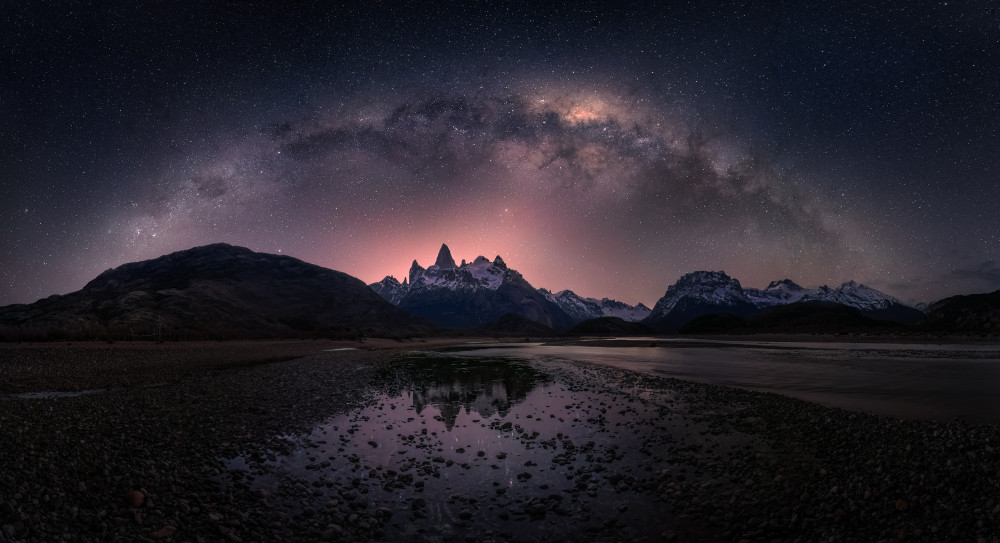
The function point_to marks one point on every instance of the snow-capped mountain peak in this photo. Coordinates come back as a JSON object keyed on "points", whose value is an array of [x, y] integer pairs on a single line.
{"points": [[390, 289], [781, 292], [850, 293], [624, 311], [711, 287], [696, 294], [480, 273], [855, 295], [582, 309], [784, 284], [415, 270]]}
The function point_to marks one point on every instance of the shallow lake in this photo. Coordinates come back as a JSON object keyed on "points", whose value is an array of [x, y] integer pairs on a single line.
{"points": [[457, 448], [902, 380]]}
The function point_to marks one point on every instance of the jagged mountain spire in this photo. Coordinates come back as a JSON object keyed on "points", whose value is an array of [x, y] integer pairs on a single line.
{"points": [[415, 269], [471, 295], [444, 259]]}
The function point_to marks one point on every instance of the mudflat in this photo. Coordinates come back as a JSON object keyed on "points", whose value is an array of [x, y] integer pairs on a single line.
{"points": [[389, 441]]}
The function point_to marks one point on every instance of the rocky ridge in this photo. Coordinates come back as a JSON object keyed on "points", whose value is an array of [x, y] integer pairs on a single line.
{"points": [[471, 294]]}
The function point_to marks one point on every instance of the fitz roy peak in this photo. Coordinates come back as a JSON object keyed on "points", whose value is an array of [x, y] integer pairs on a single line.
{"points": [[470, 295], [444, 260], [704, 293]]}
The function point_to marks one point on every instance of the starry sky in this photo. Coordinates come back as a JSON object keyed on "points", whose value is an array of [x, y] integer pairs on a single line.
{"points": [[607, 150]]}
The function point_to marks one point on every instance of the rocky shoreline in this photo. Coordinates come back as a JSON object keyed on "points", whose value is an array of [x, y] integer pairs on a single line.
{"points": [[706, 463]]}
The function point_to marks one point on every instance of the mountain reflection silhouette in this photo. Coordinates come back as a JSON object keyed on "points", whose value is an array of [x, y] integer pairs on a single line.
{"points": [[487, 387]]}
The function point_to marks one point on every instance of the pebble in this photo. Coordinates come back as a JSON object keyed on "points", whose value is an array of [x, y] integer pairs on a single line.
{"points": [[163, 533], [134, 498]]}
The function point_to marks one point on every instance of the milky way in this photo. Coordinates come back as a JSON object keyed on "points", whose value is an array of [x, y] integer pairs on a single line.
{"points": [[605, 151]]}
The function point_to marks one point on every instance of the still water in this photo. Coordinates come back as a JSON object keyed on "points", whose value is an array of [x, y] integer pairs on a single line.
{"points": [[475, 448], [902, 380]]}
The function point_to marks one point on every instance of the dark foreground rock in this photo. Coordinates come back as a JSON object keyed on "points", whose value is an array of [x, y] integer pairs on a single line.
{"points": [[208, 456]]}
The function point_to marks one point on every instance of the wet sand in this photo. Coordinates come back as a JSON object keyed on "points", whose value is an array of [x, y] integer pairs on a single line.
{"points": [[249, 444]]}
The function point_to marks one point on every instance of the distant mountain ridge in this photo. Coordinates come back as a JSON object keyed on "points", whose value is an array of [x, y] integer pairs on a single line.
{"points": [[582, 309], [469, 295], [703, 293]]}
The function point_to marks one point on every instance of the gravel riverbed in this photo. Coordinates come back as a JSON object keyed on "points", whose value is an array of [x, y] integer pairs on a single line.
{"points": [[296, 442]]}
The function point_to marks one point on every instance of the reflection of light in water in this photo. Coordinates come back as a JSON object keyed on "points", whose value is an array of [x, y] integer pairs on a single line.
{"points": [[487, 389], [441, 459]]}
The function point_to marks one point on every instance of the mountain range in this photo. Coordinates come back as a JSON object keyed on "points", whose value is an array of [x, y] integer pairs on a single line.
{"points": [[713, 292], [220, 291], [472, 294]]}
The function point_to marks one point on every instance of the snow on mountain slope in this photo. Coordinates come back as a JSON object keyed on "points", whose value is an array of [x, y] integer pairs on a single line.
{"points": [[481, 273], [696, 294], [470, 294], [463, 295], [582, 309], [853, 294], [575, 306], [713, 288], [781, 292], [445, 280], [390, 289], [703, 293], [624, 311]]}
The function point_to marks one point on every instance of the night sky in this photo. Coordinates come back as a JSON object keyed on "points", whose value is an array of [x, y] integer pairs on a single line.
{"points": [[604, 150]]}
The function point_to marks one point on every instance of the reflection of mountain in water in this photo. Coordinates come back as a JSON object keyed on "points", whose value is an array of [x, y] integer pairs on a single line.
{"points": [[483, 386]]}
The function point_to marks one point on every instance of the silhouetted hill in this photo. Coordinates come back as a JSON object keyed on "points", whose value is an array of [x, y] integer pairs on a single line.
{"points": [[716, 323], [214, 291], [972, 313], [796, 318], [610, 326]]}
